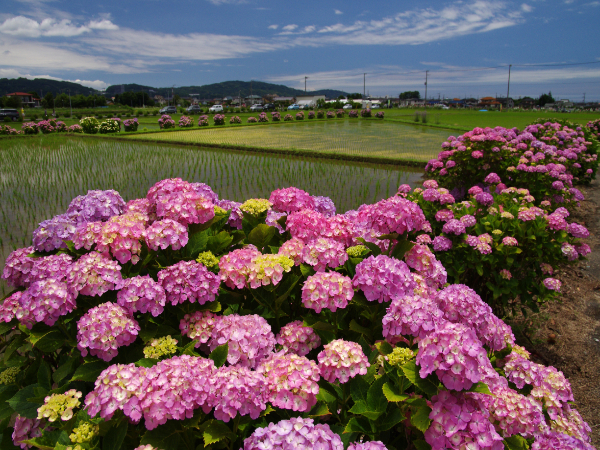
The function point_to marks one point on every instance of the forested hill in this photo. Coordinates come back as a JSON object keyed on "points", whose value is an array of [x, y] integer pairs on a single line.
{"points": [[42, 86], [225, 89]]}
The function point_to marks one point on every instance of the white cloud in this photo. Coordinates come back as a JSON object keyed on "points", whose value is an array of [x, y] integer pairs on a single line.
{"points": [[338, 12], [13, 73], [526, 8], [104, 24], [291, 27], [25, 27], [273, 27]]}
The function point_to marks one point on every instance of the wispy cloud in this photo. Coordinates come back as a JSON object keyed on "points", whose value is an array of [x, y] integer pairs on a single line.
{"points": [[273, 27], [290, 27], [338, 12]]}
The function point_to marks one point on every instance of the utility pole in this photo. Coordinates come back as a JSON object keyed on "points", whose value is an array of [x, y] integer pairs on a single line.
{"points": [[251, 99], [364, 84], [426, 74], [305, 84], [70, 105], [584, 99], [508, 89]]}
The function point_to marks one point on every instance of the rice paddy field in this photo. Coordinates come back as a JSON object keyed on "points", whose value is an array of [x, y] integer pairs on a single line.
{"points": [[356, 137], [40, 176]]}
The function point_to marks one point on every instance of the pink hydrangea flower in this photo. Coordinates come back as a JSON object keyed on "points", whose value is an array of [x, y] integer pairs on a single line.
{"points": [[454, 226], [293, 250], [441, 244], [369, 445], [412, 315], [234, 266], [455, 354], [569, 251], [342, 360], [559, 441], [189, 281], [17, 267], [185, 207], [166, 233], [382, 278], [329, 290], [306, 225], [468, 220], [45, 301], [297, 338], [322, 253], [423, 261], [52, 266], [444, 215], [26, 429], [94, 274], [393, 215], [292, 381], [121, 236], [198, 326], [291, 199], [510, 241], [513, 413], [87, 234], [553, 284], [142, 294], [250, 339], [105, 328], [296, 433], [339, 228], [237, 389]]}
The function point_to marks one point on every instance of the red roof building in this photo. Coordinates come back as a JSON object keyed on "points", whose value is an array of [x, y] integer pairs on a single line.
{"points": [[26, 98]]}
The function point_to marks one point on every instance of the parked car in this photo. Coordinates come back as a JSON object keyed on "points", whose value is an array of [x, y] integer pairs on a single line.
{"points": [[256, 108], [216, 108], [294, 106], [194, 109], [12, 113], [269, 107], [168, 110], [348, 106], [375, 106]]}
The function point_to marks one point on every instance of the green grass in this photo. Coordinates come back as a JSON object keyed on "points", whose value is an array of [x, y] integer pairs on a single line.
{"points": [[351, 137], [40, 176]]}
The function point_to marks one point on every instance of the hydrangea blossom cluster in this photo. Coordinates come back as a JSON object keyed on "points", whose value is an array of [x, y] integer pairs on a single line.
{"points": [[411, 315], [59, 405], [166, 233], [513, 413], [268, 269], [250, 339], [85, 432], [199, 326], [235, 218], [26, 429], [382, 278], [121, 236], [297, 338], [306, 225], [292, 249], [420, 258], [292, 434], [256, 206], [455, 354], [185, 207], [189, 281], [96, 206], [324, 205], [329, 290], [342, 360], [291, 199], [553, 284], [51, 234], [17, 267], [157, 348], [393, 215], [44, 301], [94, 274], [322, 253], [238, 389], [369, 445], [234, 266], [105, 328], [142, 294], [291, 380]]}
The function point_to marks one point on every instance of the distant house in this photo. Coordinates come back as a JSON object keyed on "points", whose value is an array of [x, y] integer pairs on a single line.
{"points": [[253, 99], [406, 102], [559, 105], [489, 103], [284, 100], [506, 103], [309, 100], [158, 99], [26, 99]]}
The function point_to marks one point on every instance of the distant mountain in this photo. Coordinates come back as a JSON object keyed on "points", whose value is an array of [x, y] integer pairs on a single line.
{"points": [[225, 89], [42, 86]]}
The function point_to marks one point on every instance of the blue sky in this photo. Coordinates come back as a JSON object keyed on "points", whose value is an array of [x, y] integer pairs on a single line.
{"points": [[332, 42]]}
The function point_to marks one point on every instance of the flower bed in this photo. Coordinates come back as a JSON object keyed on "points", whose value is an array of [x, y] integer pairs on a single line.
{"points": [[311, 114], [46, 126], [366, 112], [186, 122], [287, 118], [170, 322], [331, 114], [234, 119], [300, 115], [89, 125], [219, 119], [203, 121], [76, 129], [380, 114], [262, 117], [29, 128], [111, 126], [8, 130], [131, 124], [340, 113], [320, 114], [275, 116], [165, 122], [252, 119]]}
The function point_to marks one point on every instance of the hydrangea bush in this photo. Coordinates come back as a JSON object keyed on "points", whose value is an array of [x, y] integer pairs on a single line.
{"points": [[186, 122], [131, 124], [170, 322], [234, 119], [89, 125], [219, 119], [165, 122]]}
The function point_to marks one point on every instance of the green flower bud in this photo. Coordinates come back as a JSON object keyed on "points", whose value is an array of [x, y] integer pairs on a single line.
{"points": [[9, 375], [61, 405], [85, 432], [356, 251], [163, 346], [208, 259], [255, 206]]}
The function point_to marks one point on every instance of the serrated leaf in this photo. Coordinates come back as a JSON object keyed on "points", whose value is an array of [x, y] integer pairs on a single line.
{"points": [[306, 270], [320, 409], [20, 404], [384, 347], [358, 425], [49, 439], [215, 432], [480, 387], [89, 371], [515, 442], [196, 244], [190, 349], [146, 362], [219, 354], [323, 326], [48, 342], [15, 343], [420, 418], [218, 243], [66, 368], [325, 396], [211, 306], [390, 420], [44, 375], [261, 235], [392, 393], [354, 326], [401, 248], [373, 247], [361, 408], [6, 392], [5, 327], [359, 389], [113, 440], [376, 401], [411, 372]]}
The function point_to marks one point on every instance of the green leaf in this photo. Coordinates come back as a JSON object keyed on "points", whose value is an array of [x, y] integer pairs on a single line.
{"points": [[420, 418], [89, 371], [412, 374], [4, 326], [216, 431], [515, 442], [113, 440], [306, 270], [217, 244], [480, 387], [390, 420], [164, 437], [389, 236], [384, 347], [196, 244], [146, 362], [321, 326], [359, 389], [421, 444], [48, 342], [373, 247], [6, 392], [375, 398], [261, 235], [392, 393], [211, 306], [325, 396], [15, 343], [358, 425], [401, 248], [20, 404], [354, 326], [320, 409], [219, 354], [67, 368], [49, 439], [190, 349], [44, 376]]}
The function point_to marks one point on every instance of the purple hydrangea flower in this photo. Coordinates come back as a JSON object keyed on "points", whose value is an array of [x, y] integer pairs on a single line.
{"points": [[294, 434], [324, 205], [411, 315], [329, 290], [96, 206], [291, 199], [441, 244], [189, 281], [237, 389], [235, 219], [142, 294], [295, 337], [51, 234], [94, 274], [382, 278]]}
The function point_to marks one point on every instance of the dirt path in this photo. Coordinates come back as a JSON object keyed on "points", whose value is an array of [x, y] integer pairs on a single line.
{"points": [[566, 333]]}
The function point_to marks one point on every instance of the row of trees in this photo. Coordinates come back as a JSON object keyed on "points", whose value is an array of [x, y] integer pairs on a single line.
{"points": [[60, 101], [134, 99]]}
